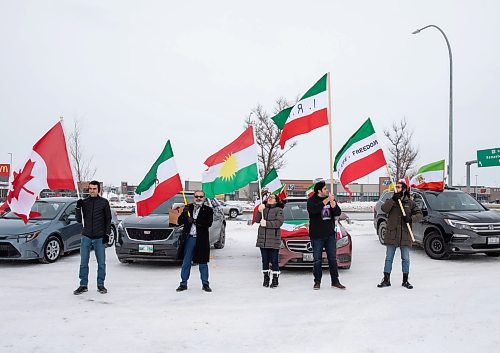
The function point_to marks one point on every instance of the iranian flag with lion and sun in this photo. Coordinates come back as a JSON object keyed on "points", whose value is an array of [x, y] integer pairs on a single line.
{"points": [[233, 167]]}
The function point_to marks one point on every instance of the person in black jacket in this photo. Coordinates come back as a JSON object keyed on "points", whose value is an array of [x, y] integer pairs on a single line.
{"points": [[323, 209], [197, 218], [95, 214]]}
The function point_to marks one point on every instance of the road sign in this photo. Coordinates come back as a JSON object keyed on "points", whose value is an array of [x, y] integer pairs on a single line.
{"points": [[488, 158]]}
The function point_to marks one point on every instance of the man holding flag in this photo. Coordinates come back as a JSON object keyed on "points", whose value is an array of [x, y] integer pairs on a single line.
{"points": [[398, 234], [95, 214], [323, 209]]}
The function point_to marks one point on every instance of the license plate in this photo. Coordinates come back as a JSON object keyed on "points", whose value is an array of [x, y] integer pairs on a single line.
{"points": [[146, 248], [493, 240], [307, 257]]}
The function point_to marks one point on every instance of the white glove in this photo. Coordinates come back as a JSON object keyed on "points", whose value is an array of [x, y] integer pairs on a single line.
{"points": [[263, 223], [261, 207]]}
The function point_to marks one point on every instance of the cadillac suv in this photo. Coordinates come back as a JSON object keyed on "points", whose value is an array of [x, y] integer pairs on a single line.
{"points": [[156, 236]]}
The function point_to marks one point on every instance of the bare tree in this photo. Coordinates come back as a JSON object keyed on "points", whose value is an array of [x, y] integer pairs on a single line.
{"points": [[268, 137], [402, 154], [82, 166]]}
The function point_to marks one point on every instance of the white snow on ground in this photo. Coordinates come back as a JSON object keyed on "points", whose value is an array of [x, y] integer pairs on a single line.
{"points": [[454, 307], [358, 206]]}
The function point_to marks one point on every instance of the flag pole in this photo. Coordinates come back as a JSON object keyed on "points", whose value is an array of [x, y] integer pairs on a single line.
{"points": [[61, 120], [399, 201], [258, 175], [330, 131]]}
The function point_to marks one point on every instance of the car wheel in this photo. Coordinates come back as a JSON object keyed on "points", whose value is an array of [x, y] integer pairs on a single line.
{"points": [[233, 213], [493, 254], [222, 238], [112, 237], [381, 232], [52, 250], [434, 246]]}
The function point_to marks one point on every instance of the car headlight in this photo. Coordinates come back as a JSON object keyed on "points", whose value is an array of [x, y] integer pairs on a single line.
{"points": [[29, 236], [458, 224], [282, 244], [342, 242]]}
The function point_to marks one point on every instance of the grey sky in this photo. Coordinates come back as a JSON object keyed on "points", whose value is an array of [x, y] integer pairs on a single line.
{"points": [[139, 73]]}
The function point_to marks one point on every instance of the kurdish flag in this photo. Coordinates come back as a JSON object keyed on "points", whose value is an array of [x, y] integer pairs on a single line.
{"points": [[361, 155], [310, 112], [160, 184], [430, 176], [232, 167]]}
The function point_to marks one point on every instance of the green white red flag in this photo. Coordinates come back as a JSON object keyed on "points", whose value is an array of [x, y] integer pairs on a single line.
{"points": [[310, 112], [272, 183], [232, 167], [47, 167], [360, 155], [430, 176], [310, 190], [160, 183]]}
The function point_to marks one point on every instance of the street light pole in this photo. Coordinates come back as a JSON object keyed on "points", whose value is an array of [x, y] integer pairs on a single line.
{"points": [[10, 167], [475, 189], [450, 131]]}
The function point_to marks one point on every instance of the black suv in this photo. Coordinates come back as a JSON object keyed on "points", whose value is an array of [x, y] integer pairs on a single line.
{"points": [[454, 223], [154, 238]]}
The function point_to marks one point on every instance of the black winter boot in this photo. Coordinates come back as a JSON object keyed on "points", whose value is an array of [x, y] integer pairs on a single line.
{"points": [[275, 283], [266, 278], [386, 281], [405, 283]]}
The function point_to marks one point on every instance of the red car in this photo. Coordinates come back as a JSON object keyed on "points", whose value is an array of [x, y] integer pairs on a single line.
{"points": [[296, 248]]}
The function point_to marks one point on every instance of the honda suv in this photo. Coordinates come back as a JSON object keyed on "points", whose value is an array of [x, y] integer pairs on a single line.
{"points": [[454, 223], [156, 236]]}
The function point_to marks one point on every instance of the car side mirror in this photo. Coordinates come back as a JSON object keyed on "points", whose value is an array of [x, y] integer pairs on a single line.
{"points": [[343, 217], [72, 217]]}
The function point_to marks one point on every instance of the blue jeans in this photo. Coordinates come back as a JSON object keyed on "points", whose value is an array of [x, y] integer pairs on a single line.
{"points": [[86, 245], [186, 263], [330, 246], [270, 256], [389, 257]]}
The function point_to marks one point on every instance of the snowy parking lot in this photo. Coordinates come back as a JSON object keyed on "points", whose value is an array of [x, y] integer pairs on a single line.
{"points": [[454, 307]]}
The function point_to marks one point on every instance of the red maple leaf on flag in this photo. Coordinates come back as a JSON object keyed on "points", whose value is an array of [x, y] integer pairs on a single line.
{"points": [[20, 180]]}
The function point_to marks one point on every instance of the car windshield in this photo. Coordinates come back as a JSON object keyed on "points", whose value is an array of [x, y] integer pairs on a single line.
{"points": [[41, 210], [177, 199], [452, 201], [296, 210]]}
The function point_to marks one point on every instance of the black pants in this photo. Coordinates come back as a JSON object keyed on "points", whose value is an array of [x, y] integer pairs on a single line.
{"points": [[269, 256]]}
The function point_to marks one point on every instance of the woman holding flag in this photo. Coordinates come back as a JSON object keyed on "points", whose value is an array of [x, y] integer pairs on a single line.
{"points": [[270, 217]]}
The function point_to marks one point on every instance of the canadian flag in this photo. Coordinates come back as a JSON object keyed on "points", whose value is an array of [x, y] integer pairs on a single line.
{"points": [[47, 168]]}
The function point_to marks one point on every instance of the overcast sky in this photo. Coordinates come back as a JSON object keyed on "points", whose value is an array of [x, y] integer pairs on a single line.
{"points": [[137, 73]]}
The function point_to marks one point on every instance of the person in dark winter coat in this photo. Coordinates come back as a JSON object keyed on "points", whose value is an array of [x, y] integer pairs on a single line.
{"points": [[397, 233], [323, 209], [197, 218], [270, 217], [95, 214]]}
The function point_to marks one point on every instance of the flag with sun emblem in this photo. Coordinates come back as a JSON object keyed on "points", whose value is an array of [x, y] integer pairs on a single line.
{"points": [[232, 167]]}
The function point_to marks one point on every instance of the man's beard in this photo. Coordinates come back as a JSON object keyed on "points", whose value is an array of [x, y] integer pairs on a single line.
{"points": [[198, 203]]}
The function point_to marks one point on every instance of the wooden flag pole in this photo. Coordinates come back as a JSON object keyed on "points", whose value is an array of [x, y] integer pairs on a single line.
{"points": [[330, 131], [400, 203], [185, 200], [258, 176]]}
